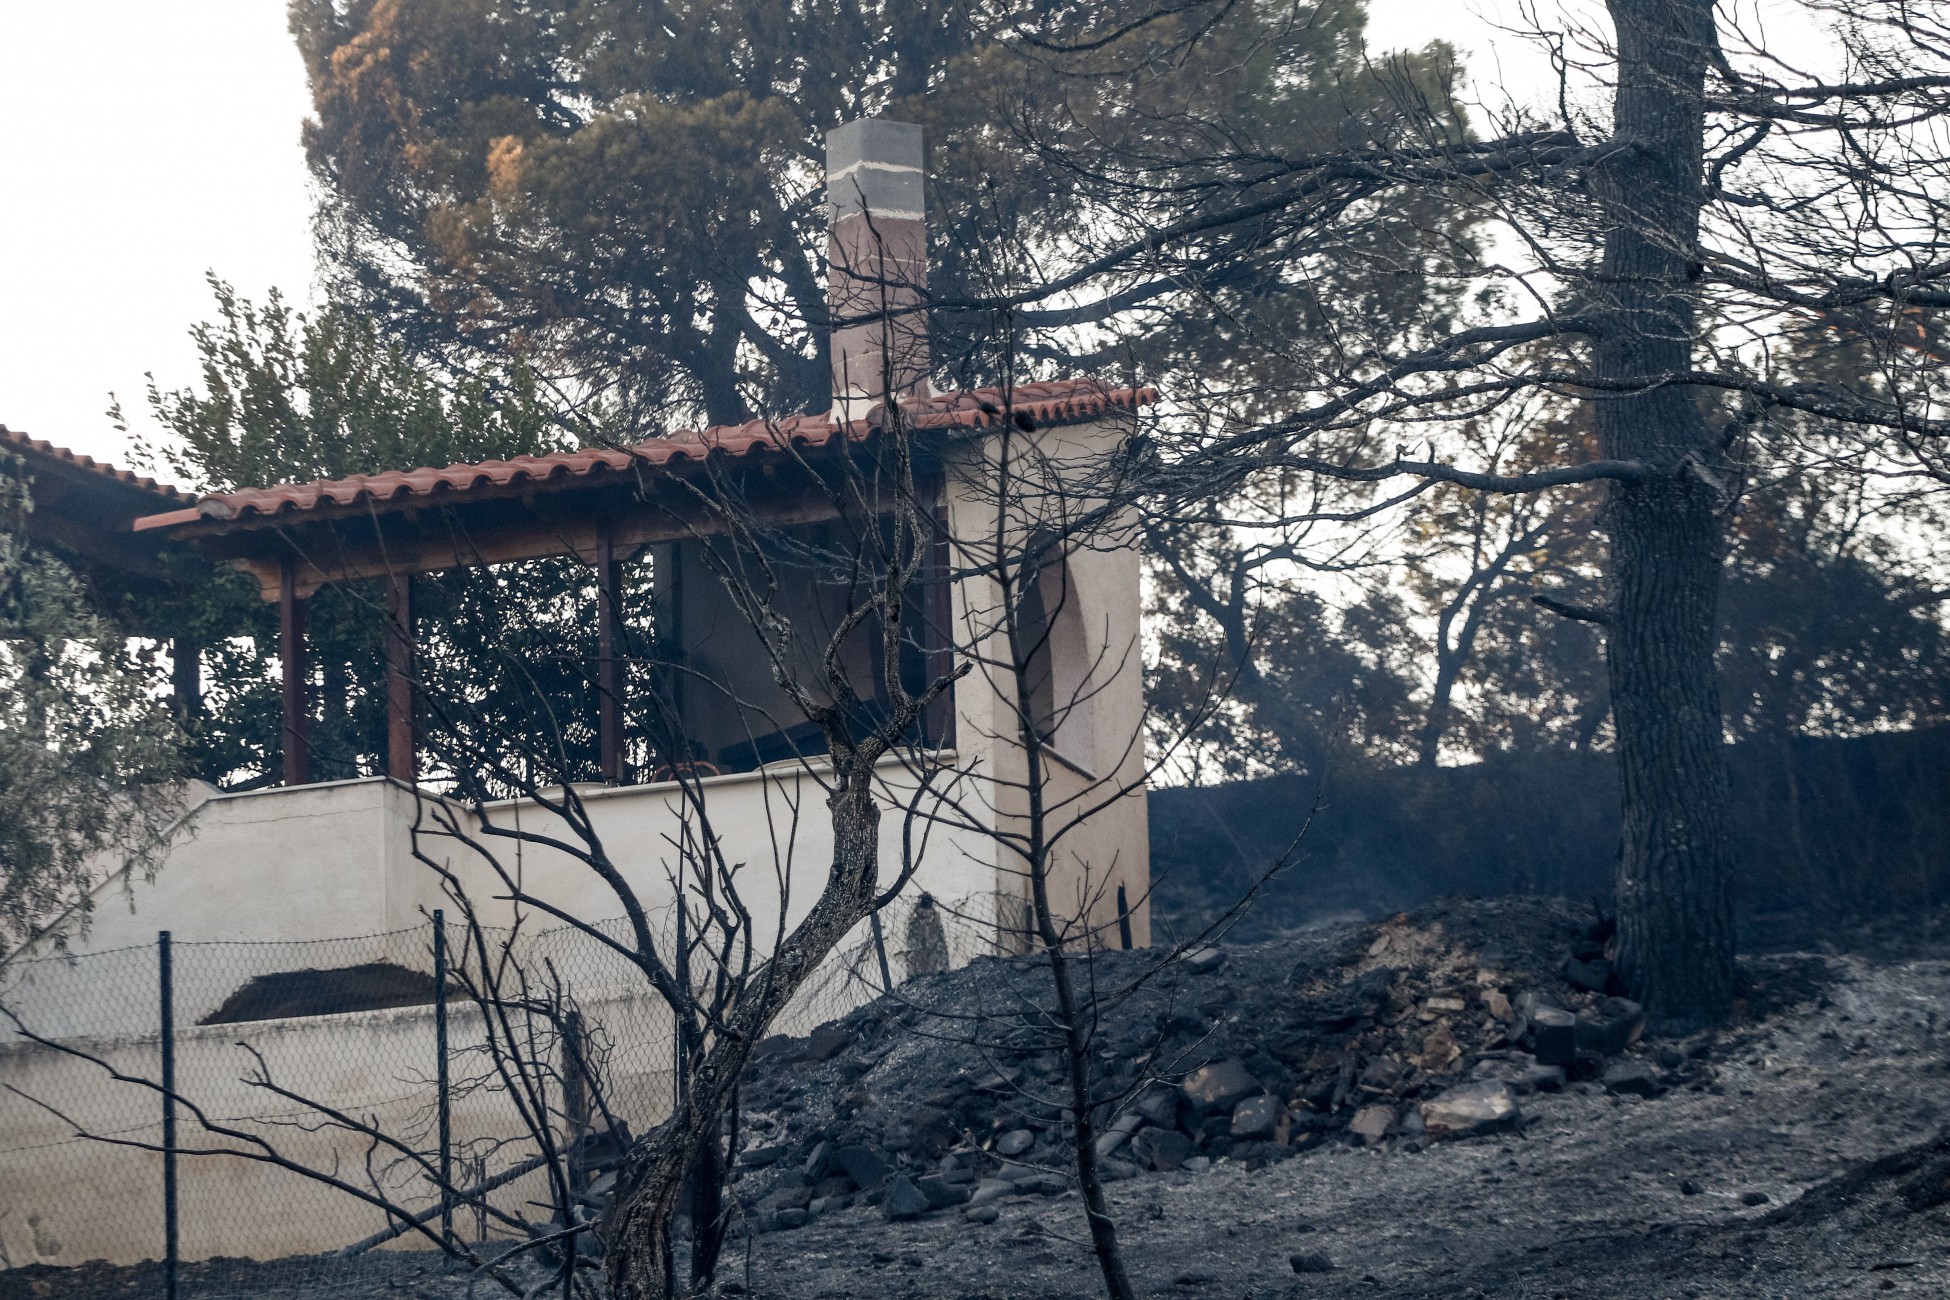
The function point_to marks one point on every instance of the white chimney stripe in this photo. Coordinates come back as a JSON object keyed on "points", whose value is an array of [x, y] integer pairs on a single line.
{"points": [[887, 214], [866, 163]]}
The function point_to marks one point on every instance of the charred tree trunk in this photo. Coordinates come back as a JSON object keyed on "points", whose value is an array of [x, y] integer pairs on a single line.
{"points": [[1675, 870], [708, 1219], [1076, 1055], [639, 1259]]}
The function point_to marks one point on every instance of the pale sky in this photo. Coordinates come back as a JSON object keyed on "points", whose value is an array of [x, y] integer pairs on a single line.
{"points": [[145, 142]]}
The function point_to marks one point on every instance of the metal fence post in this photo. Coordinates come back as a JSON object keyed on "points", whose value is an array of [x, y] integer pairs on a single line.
{"points": [[575, 1099], [681, 1013], [165, 980], [1123, 918], [880, 951], [443, 1102]]}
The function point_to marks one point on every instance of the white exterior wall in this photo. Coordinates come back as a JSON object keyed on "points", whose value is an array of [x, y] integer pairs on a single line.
{"points": [[774, 822], [1097, 661], [65, 1199]]}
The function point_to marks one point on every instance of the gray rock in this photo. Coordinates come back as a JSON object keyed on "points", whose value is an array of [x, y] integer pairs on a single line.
{"points": [[1540, 1078], [827, 1204], [981, 1214], [941, 1193], [904, 1200], [866, 1167], [1310, 1262], [1554, 1035], [1383, 1073], [1633, 1078], [1203, 961], [1488, 1106], [1690, 1187], [991, 1189], [1754, 1198], [1221, 1085], [1373, 1123], [1610, 1026], [819, 1161], [1119, 1133], [1197, 1164], [1159, 1108], [1116, 1171], [1260, 1119], [1014, 1143], [827, 1042], [1163, 1149]]}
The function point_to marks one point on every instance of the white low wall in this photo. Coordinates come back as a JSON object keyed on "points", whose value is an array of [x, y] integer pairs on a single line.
{"points": [[66, 1198], [265, 883], [270, 868]]}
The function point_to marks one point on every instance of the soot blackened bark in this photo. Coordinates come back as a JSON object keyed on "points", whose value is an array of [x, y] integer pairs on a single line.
{"points": [[639, 1260], [1675, 873]]}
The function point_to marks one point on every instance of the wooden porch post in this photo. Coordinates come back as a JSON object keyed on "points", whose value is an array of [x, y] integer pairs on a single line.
{"points": [[401, 761], [291, 647], [609, 667], [186, 676], [938, 593]]}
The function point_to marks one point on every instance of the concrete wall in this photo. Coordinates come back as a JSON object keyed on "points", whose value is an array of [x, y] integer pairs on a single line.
{"points": [[771, 824], [65, 1199], [269, 867], [1093, 594]]}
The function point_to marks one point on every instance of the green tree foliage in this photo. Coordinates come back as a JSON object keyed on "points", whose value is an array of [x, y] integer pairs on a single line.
{"points": [[87, 741], [630, 195], [287, 397]]}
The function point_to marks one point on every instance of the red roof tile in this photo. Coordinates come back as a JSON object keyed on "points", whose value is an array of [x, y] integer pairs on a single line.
{"points": [[14, 440], [1060, 402]]}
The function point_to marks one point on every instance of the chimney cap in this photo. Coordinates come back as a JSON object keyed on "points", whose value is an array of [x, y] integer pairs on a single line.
{"points": [[877, 166]]}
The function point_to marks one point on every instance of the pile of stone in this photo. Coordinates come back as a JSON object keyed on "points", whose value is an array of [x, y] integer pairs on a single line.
{"points": [[1428, 1026]]}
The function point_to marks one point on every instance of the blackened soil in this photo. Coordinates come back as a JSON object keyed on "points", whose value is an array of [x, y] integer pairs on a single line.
{"points": [[1812, 1139]]}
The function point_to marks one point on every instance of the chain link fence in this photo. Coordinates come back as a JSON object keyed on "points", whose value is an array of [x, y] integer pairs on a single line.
{"points": [[367, 1061]]}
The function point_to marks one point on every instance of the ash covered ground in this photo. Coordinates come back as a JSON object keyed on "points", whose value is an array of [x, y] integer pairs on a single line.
{"points": [[1427, 1106], [1795, 1153]]}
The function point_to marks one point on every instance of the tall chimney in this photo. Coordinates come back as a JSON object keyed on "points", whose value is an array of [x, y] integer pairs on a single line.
{"points": [[877, 264]]}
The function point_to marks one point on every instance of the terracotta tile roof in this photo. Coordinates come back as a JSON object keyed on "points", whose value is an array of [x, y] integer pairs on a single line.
{"points": [[15, 441], [1052, 403]]}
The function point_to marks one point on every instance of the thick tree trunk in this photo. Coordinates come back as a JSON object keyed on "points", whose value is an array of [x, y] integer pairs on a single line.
{"points": [[1675, 876], [638, 1258]]}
